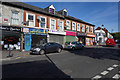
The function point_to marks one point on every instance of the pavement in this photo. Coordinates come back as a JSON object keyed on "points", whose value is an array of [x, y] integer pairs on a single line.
{"points": [[15, 53]]}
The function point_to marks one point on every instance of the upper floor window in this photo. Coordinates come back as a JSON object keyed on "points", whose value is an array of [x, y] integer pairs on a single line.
{"points": [[87, 28], [53, 24], [31, 19], [43, 22], [15, 17], [73, 26], [64, 13], [61, 26], [51, 10], [78, 27], [91, 29], [83, 28], [68, 24]]}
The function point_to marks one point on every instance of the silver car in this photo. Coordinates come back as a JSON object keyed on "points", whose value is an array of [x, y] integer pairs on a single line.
{"points": [[73, 45]]}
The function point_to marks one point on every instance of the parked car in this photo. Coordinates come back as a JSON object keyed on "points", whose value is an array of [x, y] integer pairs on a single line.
{"points": [[46, 48], [110, 42], [73, 45]]}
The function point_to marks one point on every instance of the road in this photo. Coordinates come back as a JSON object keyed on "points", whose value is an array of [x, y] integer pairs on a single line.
{"points": [[91, 63]]}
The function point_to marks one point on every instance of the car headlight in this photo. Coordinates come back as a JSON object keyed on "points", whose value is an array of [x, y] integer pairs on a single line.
{"points": [[37, 49]]}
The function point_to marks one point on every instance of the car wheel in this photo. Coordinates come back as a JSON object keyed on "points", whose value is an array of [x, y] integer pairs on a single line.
{"points": [[59, 50], [73, 48], [42, 52]]}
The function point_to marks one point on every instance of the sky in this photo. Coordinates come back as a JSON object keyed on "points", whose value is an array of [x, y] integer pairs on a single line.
{"points": [[96, 13]]}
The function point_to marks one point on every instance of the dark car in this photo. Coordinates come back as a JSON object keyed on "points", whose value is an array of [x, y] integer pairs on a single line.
{"points": [[73, 45], [46, 48]]}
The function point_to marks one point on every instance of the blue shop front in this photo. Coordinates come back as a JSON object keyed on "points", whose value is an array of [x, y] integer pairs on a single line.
{"points": [[34, 37]]}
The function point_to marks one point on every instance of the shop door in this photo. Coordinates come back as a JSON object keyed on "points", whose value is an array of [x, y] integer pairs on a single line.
{"points": [[27, 42]]}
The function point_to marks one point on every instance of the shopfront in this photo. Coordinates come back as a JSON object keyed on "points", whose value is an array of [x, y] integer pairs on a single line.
{"points": [[56, 36], [34, 37], [11, 36], [70, 36], [90, 39], [81, 37]]}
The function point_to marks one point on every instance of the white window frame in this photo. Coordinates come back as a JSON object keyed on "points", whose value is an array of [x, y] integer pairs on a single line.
{"points": [[72, 25], [91, 29], [88, 29], [14, 17], [45, 21], [83, 28], [69, 26], [50, 23], [77, 26], [33, 18], [62, 25], [52, 8]]}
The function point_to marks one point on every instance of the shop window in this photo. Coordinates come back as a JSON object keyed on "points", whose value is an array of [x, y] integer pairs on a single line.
{"points": [[83, 29], [78, 27], [73, 26], [87, 28], [51, 10], [91, 29], [53, 24], [61, 26], [14, 17], [30, 19], [68, 24], [43, 22]]}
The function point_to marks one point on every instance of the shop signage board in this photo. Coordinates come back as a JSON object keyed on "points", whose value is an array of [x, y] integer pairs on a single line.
{"points": [[81, 34], [35, 31], [27, 42], [10, 28], [69, 33], [89, 35], [57, 32]]}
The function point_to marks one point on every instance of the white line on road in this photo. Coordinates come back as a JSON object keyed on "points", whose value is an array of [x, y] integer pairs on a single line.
{"points": [[104, 72], [97, 77], [110, 68], [115, 65], [117, 76], [5, 59]]}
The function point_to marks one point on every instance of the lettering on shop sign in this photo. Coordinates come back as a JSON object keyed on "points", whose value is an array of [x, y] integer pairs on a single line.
{"points": [[70, 33], [10, 28], [35, 31], [81, 34]]}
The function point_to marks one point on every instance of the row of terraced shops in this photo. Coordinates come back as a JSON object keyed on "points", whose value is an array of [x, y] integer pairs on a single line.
{"points": [[41, 27]]}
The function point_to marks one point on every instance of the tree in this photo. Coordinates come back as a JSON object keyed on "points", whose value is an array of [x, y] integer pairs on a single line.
{"points": [[116, 35]]}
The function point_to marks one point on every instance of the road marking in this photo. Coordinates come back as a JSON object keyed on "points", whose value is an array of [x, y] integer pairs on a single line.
{"points": [[18, 58], [97, 77], [110, 68], [104, 72], [5, 59], [115, 65], [117, 76]]}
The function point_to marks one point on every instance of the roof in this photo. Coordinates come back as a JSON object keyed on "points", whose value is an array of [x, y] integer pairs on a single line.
{"points": [[98, 28], [43, 11], [31, 7]]}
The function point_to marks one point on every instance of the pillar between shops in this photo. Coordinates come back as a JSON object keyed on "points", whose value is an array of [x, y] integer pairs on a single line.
{"points": [[21, 47]]}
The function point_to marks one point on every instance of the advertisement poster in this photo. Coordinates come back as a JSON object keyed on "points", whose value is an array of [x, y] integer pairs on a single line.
{"points": [[27, 42]]}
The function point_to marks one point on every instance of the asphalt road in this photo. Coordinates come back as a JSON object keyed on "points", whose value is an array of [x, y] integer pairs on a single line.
{"points": [[103, 62]]}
